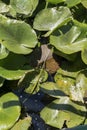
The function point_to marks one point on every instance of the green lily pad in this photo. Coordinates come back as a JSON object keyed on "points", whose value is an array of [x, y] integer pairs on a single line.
{"points": [[17, 36], [23, 124], [63, 110], [9, 110], [71, 41], [24, 6], [51, 18]]}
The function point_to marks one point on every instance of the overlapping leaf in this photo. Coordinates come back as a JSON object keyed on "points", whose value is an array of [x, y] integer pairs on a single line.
{"points": [[17, 36], [72, 41]]}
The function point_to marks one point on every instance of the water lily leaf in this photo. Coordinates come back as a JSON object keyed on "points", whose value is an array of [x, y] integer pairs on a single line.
{"points": [[3, 52], [74, 87], [11, 67], [63, 110], [55, 1], [51, 18], [24, 6], [9, 110], [80, 127], [17, 36], [3, 7], [84, 2], [23, 124], [72, 3], [52, 89], [73, 40], [1, 81], [32, 80]]}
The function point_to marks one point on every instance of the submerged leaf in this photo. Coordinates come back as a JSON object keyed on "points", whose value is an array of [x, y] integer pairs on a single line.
{"points": [[9, 110]]}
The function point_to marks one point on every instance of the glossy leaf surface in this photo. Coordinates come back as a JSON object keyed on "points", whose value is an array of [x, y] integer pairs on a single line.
{"points": [[51, 18], [17, 36], [61, 110], [9, 110]]}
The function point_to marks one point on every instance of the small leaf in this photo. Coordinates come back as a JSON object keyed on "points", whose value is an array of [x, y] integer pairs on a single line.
{"points": [[17, 36], [23, 124], [63, 110], [9, 110]]}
